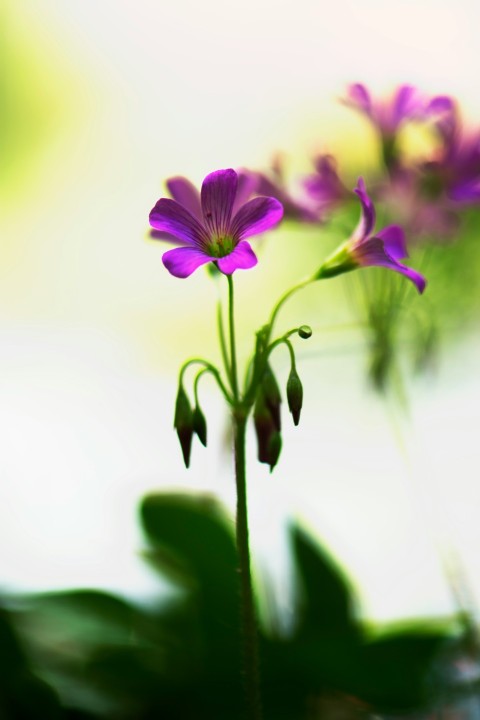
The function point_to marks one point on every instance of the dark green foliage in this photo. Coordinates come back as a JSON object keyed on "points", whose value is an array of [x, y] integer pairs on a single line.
{"points": [[180, 659], [22, 693]]}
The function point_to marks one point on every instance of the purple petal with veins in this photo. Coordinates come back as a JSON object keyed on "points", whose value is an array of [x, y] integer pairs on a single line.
{"points": [[218, 195], [182, 262], [171, 217], [186, 194], [256, 216], [241, 258]]}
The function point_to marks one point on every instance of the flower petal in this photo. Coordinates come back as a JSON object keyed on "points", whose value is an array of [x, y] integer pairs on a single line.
{"points": [[439, 105], [182, 262], [393, 239], [367, 218], [372, 253], [256, 216], [468, 191], [359, 98], [167, 237], [186, 194], [406, 103], [171, 217], [247, 185], [242, 258], [217, 196]]}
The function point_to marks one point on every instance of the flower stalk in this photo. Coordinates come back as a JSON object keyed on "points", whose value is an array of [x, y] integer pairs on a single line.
{"points": [[212, 227]]}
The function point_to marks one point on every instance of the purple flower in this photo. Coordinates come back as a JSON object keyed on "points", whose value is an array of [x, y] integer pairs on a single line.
{"points": [[275, 185], [415, 197], [212, 226], [456, 169], [387, 115], [324, 186], [365, 248]]}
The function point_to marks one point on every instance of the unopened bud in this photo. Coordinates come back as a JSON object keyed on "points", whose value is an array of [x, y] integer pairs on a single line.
{"points": [[271, 393], [294, 395], [274, 449], [183, 423], [264, 426], [269, 440], [305, 332], [200, 425]]}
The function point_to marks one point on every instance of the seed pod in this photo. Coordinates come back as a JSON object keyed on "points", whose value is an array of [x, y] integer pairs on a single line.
{"points": [[200, 425], [294, 395], [183, 423]]}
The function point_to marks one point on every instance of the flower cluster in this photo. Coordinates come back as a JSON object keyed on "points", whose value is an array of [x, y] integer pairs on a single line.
{"points": [[420, 198]]}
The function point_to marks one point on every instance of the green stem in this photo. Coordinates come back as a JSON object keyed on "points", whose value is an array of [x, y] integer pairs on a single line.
{"points": [[223, 344], [248, 621], [286, 296], [208, 368], [231, 327], [196, 381], [250, 652], [280, 340], [291, 351]]}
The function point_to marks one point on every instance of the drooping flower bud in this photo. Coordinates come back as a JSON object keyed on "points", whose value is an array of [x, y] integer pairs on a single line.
{"points": [[294, 395], [200, 425], [272, 396], [264, 426], [183, 423], [267, 419], [274, 449]]}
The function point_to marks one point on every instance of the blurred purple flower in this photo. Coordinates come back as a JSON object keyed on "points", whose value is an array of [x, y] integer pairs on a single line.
{"points": [[405, 103], [212, 226], [390, 114], [365, 248], [324, 186], [410, 196], [456, 168], [274, 185]]}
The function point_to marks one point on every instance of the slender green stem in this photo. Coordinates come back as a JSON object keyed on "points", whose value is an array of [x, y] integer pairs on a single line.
{"points": [[282, 339], [248, 621], [286, 296], [196, 381], [292, 354], [250, 652], [208, 368], [223, 343], [231, 327]]}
